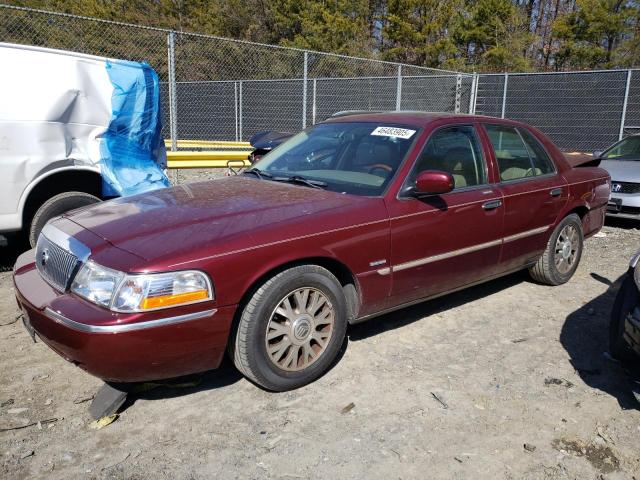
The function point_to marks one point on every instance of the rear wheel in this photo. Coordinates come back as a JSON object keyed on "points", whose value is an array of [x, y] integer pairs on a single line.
{"points": [[292, 328], [57, 205], [560, 259]]}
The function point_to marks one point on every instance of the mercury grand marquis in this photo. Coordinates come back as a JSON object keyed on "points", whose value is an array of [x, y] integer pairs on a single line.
{"points": [[349, 219]]}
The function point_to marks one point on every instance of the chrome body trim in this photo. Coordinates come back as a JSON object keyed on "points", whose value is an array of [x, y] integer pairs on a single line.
{"points": [[128, 327], [435, 258], [635, 260], [526, 234], [378, 262], [463, 251]]}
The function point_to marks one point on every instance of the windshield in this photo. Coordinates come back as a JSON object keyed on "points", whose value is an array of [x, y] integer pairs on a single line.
{"points": [[627, 150], [356, 158]]}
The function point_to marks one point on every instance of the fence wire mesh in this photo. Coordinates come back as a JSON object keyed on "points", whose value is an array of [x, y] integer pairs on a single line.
{"points": [[220, 89], [577, 110]]}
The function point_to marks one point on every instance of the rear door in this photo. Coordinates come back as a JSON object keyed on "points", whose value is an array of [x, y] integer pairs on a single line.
{"points": [[442, 242], [533, 192]]}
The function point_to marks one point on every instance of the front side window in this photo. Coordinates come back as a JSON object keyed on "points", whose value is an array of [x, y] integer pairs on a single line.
{"points": [[358, 158], [518, 156], [628, 150], [457, 151]]}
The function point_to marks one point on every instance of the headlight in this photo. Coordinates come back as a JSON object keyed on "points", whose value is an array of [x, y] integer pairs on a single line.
{"points": [[96, 283], [139, 293]]}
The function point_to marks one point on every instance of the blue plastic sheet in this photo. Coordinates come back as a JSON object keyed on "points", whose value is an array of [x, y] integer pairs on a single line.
{"points": [[132, 149]]}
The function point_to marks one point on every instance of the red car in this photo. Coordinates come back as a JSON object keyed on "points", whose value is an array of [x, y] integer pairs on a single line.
{"points": [[352, 218]]}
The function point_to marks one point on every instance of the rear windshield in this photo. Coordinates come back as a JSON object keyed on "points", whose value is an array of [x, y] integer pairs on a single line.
{"points": [[356, 158]]}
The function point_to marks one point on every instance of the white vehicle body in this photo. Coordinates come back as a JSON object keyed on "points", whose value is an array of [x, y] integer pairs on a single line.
{"points": [[74, 129], [55, 105]]}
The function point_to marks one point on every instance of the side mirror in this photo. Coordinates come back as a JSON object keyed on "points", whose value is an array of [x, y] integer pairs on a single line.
{"points": [[597, 153], [433, 182]]}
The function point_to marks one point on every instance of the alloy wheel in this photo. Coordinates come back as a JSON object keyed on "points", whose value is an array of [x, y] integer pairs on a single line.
{"points": [[299, 329], [566, 249]]}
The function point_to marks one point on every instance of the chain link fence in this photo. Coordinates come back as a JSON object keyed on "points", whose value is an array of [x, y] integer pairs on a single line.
{"points": [[220, 89], [583, 111]]}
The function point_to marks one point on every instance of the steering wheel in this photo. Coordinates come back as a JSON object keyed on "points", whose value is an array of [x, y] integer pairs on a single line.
{"points": [[380, 166]]}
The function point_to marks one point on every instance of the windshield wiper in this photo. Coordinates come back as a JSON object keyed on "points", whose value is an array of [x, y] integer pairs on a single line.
{"points": [[302, 181], [258, 173]]}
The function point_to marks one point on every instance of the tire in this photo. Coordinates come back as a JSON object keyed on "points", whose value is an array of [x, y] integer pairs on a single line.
{"points": [[265, 315], [626, 300], [57, 205], [547, 270]]}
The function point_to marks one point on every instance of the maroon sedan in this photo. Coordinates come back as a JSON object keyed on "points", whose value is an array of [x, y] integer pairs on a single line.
{"points": [[347, 220]]}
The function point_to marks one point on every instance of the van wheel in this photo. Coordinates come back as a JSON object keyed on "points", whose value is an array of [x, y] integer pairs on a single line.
{"points": [[562, 255], [292, 328], [57, 205]]}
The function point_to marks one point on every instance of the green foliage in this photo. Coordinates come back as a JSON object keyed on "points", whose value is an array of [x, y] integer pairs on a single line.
{"points": [[474, 35]]}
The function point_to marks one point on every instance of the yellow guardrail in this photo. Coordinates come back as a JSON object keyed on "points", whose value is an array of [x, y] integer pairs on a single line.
{"points": [[209, 144], [208, 159]]}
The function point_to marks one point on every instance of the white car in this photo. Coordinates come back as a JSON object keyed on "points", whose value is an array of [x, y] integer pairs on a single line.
{"points": [[622, 161]]}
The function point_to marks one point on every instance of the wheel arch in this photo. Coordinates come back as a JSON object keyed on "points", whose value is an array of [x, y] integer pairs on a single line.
{"points": [[53, 182], [341, 271]]}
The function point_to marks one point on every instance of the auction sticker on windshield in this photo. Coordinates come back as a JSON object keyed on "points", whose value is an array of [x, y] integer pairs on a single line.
{"points": [[393, 132]]}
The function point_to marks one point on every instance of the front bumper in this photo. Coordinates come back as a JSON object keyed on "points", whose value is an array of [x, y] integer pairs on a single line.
{"points": [[624, 205], [122, 347]]}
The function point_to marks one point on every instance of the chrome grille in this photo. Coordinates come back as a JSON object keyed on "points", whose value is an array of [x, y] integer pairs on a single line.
{"points": [[624, 187], [55, 264]]}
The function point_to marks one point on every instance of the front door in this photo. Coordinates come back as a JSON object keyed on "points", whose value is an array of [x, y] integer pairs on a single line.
{"points": [[533, 193], [443, 242]]}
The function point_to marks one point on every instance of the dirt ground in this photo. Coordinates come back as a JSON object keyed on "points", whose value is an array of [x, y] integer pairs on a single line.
{"points": [[509, 379]]}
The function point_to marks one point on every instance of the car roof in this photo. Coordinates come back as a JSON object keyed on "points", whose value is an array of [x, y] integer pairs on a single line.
{"points": [[415, 118]]}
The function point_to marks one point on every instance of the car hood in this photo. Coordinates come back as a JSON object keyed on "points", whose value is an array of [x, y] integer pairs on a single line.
{"points": [[219, 216], [622, 171]]}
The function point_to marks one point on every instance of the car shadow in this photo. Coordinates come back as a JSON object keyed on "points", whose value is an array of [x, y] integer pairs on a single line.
{"points": [[585, 337], [11, 247], [624, 223], [223, 376], [408, 315]]}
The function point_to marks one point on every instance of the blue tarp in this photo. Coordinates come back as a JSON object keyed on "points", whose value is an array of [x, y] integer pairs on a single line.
{"points": [[132, 148]]}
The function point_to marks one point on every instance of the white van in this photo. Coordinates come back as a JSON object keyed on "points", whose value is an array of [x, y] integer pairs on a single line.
{"points": [[74, 129]]}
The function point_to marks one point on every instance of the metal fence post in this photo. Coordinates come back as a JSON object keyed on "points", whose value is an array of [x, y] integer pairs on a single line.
{"points": [[624, 105], [313, 104], [304, 91], [399, 89], [456, 108], [240, 110], [235, 103], [504, 94], [173, 100], [472, 94]]}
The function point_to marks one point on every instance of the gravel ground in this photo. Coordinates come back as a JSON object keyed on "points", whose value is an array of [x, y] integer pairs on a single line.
{"points": [[509, 379]]}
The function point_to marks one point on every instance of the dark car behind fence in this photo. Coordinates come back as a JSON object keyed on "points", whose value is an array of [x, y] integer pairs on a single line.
{"points": [[222, 89]]}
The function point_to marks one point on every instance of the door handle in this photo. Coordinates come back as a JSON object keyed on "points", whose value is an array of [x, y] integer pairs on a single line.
{"points": [[556, 192], [492, 204]]}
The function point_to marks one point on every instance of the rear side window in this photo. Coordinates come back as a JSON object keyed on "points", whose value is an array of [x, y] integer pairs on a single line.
{"points": [[541, 162], [518, 155]]}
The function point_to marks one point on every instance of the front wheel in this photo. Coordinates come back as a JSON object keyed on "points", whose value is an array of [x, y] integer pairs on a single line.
{"points": [[562, 255], [292, 328]]}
